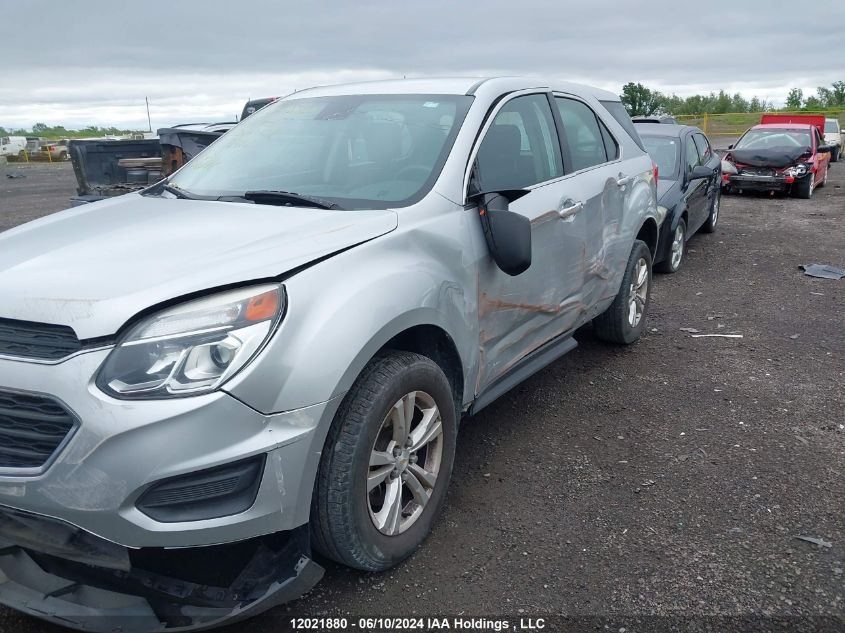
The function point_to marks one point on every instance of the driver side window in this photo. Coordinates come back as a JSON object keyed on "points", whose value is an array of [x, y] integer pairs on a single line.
{"points": [[520, 148], [691, 153]]}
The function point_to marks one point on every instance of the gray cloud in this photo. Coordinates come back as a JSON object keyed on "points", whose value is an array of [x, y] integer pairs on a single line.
{"points": [[205, 57]]}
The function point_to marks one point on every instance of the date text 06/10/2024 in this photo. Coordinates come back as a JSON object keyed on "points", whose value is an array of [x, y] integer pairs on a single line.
{"points": [[399, 625]]}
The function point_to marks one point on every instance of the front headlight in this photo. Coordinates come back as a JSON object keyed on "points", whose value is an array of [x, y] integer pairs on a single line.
{"points": [[192, 348], [796, 170]]}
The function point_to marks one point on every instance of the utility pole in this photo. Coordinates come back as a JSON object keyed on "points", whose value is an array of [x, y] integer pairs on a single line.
{"points": [[149, 120]]}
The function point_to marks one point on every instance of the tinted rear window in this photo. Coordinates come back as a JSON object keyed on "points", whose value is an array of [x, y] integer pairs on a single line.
{"points": [[618, 112]]}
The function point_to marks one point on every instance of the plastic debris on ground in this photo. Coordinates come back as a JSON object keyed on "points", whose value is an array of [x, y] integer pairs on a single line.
{"points": [[823, 271]]}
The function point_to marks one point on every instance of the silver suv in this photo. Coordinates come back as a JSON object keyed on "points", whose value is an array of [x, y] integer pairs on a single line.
{"points": [[272, 349]]}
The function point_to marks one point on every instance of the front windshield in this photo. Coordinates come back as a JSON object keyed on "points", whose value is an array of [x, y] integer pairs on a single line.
{"points": [[831, 127], [774, 138], [359, 151], [663, 151]]}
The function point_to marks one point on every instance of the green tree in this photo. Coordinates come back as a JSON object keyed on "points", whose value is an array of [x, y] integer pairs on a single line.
{"points": [[837, 93], [813, 103], [639, 100], [40, 128], [794, 99]]}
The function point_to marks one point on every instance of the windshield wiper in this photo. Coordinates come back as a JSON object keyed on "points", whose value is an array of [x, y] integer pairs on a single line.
{"points": [[158, 188], [289, 198]]}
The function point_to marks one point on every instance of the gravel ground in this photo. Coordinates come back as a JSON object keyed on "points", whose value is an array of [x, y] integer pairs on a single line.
{"points": [[670, 478]]}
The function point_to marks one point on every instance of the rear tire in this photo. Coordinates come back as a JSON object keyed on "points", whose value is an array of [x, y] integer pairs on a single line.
{"points": [[834, 154], [352, 519], [616, 324], [709, 225]]}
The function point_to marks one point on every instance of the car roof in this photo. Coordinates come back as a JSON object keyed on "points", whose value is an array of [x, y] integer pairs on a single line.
{"points": [[454, 86], [781, 126], [664, 129]]}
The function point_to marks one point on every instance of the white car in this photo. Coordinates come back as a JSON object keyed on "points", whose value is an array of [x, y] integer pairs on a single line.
{"points": [[12, 145], [833, 137]]}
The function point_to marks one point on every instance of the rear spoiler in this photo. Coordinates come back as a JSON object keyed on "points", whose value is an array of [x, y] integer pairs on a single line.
{"points": [[807, 119]]}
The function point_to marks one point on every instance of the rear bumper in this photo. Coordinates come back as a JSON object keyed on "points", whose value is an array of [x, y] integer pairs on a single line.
{"points": [[105, 587]]}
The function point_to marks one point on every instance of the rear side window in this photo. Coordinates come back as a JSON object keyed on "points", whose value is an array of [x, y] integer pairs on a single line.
{"points": [[583, 134], [610, 144], [521, 147], [618, 112], [704, 149]]}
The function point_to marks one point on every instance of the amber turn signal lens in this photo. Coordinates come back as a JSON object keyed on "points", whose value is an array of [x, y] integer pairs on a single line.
{"points": [[262, 307]]}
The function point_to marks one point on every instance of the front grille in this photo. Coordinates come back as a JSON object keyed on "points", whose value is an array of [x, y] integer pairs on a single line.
{"points": [[757, 171], [32, 428], [41, 341]]}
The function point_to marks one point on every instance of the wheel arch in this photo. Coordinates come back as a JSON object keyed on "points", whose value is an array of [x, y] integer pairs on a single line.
{"points": [[649, 233]]}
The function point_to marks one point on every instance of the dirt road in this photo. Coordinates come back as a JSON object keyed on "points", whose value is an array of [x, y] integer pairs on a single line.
{"points": [[671, 478]]}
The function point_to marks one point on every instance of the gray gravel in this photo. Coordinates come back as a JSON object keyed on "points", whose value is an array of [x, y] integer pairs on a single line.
{"points": [[668, 478]]}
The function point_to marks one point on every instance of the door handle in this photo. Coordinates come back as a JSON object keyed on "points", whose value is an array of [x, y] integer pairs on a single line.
{"points": [[569, 212], [623, 180]]}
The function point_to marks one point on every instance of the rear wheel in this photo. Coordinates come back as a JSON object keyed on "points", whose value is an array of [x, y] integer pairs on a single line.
{"points": [[677, 250], [623, 322], [834, 154], [710, 224], [386, 463]]}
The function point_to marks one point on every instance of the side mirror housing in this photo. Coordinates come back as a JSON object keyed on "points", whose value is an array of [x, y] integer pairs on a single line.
{"points": [[508, 234], [700, 172], [731, 146], [823, 148]]}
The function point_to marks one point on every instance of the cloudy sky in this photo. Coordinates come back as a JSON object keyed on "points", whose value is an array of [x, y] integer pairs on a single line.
{"points": [[94, 61]]}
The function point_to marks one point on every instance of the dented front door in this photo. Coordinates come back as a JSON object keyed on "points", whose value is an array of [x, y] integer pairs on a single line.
{"points": [[521, 150]]}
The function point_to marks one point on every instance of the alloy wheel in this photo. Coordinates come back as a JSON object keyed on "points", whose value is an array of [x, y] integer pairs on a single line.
{"points": [[677, 247], [404, 463], [638, 293]]}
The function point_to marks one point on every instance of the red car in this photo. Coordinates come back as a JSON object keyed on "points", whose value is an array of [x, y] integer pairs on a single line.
{"points": [[784, 153]]}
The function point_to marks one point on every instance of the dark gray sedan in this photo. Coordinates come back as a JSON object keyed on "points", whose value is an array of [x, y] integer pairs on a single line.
{"points": [[688, 187]]}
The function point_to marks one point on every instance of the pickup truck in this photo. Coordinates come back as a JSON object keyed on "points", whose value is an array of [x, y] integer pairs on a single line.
{"points": [[785, 153], [105, 167]]}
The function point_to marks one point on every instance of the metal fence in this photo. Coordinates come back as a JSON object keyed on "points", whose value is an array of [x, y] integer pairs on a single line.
{"points": [[735, 123]]}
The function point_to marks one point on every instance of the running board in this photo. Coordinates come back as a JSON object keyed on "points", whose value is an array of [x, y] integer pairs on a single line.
{"points": [[528, 366]]}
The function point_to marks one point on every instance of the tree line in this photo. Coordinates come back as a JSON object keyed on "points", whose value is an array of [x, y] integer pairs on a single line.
{"points": [[59, 131], [643, 101]]}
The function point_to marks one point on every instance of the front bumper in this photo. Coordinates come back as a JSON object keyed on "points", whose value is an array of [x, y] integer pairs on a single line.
{"points": [[760, 183], [121, 447], [110, 588], [93, 570]]}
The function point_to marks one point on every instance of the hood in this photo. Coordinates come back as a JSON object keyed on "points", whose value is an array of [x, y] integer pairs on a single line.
{"points": [[96, 266], [774, 157]]}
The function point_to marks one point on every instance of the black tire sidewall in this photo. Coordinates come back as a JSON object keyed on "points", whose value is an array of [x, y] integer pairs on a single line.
{"points": [[384, 551], [632, 333]]}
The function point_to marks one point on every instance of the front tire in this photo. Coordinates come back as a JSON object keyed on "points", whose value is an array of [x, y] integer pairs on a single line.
{"points": [[623, 322], [677, 250], [804, 188], [386, 464]]}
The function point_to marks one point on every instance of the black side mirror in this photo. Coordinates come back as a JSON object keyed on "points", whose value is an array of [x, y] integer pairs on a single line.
{"points": [[700, 172], [731, 146], [508, 234], [823, 148]]}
